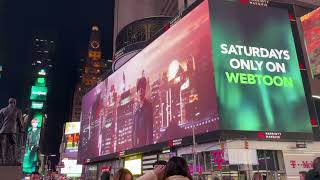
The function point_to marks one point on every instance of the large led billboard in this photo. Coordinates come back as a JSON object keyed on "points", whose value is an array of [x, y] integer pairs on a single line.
{"points": [[72, 128], [258, 80], [157, 96], [71, 141], [311, 31], [193, 75], [32, 150], [38, 93]]}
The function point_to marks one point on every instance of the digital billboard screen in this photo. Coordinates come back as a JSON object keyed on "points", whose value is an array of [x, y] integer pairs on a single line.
{"points": [[38, 93], [36, 105], [235, 69], [32, 149], [71, 140], [158, 95], [72, 128], [258, 80], [311, 31]]}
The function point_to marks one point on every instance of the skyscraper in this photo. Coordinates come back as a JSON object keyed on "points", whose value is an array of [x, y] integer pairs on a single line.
{"points": [[91, 72], [42, 55]]}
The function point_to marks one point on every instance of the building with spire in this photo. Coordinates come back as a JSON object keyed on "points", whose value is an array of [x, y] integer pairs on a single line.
{"points": [[91, 72]]}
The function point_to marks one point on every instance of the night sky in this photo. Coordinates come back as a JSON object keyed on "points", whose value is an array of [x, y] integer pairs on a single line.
{"points": [[71, 21]]}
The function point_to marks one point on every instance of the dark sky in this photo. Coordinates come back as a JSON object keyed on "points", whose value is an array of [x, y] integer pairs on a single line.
{"points": [[71, 21]]}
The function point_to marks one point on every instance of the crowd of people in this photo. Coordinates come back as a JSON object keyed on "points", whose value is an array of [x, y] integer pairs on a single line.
{"points": [[177, 169]]}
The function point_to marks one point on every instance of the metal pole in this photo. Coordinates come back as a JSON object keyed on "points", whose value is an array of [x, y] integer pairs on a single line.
{"points": [[193, 149]]}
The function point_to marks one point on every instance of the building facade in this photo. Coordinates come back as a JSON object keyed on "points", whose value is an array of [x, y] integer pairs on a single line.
{"points": [[93, 68], [226, 154], [137, 22]]}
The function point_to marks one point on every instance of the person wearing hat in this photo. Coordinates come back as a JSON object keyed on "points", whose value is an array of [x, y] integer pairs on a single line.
{"points": [[11, 118], [142, 131]]}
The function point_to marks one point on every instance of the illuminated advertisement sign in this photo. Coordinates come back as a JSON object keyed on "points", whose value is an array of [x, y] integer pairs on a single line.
{"points": [[41, 81], [32, 152], [42, 72], [311, 32], [71, 143], [72, 130], [157, 96], [258, 81], [38, 93], [36, 105], [133, 164], [71, 168], [223, 78]]}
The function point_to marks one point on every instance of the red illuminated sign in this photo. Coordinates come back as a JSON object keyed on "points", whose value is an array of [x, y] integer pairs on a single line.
{"points": [[175, 142], [106, 168], [218, 158], [269, 135], [302, 164]]}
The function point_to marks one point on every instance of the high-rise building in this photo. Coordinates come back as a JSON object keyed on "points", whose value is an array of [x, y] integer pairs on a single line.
{"points": [[94, 64], [42, 54], [136, 22], [91, 72]]}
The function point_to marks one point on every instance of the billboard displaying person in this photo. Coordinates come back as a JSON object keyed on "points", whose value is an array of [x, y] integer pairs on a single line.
{"points": [[158, 95], [32, 151], [142, 132], [207, 72]]}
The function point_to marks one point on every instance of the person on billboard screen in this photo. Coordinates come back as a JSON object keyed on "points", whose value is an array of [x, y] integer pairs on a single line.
{"points": [[32, 153], [142, 131]]}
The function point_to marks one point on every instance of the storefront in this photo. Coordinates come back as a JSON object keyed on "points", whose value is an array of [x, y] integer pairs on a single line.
{"points": [[274, 160], [93, 171]]}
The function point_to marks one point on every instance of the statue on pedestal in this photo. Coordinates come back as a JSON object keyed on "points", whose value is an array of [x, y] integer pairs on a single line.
{"points": [[10, 125]]}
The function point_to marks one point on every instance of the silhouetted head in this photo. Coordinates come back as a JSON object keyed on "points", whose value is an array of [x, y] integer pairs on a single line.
{"points": [[157, 163], [316, 164], [123, 174], [105, 175], [177, 166], [12, 102]]}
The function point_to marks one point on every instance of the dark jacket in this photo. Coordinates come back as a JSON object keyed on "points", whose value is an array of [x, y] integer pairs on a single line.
{"points": [[313, 175], [11, 119], [142, 130]]}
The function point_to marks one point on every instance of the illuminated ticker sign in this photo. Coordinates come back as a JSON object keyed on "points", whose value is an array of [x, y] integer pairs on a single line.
{"points": [[41, 81], [36, 105], [42, 72], [38, 93]]}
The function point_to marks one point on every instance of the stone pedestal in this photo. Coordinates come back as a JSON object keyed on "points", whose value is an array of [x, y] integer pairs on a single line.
{"points": [[11, 172]]}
